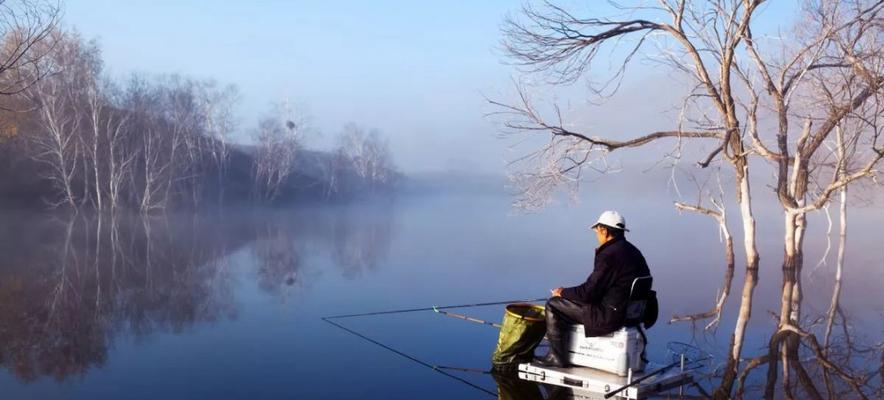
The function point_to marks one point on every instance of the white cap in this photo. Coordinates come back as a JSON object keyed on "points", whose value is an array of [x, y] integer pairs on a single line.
{"points": [[611, 219]]}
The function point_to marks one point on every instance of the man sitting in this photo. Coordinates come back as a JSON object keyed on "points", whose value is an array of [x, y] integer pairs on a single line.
{"points": [[600, 302]]}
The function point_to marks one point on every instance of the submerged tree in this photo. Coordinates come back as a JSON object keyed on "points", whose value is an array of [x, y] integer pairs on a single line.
{"points": [[830, 75], [183, 145], [60, 99]]}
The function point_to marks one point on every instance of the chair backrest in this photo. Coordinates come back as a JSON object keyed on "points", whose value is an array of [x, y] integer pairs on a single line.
{"points": [[638, 295]]}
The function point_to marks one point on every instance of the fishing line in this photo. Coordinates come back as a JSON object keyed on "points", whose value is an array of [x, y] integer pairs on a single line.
{"points": [[433, 308], [436, 368], [438, 310]]}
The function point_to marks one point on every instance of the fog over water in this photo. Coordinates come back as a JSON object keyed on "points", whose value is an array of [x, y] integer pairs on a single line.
{"points": [[228, 304]]}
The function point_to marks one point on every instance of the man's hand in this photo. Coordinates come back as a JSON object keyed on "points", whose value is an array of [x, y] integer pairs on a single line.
{"points": [[557, 292]]}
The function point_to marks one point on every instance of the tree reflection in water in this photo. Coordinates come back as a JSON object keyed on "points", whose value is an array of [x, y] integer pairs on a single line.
{"points": [[279, 259], [70, 286], [360, 240]]}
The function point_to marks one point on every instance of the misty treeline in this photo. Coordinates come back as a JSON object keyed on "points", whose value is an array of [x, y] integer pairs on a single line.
{"points": [[797, 109], [75, 138]]}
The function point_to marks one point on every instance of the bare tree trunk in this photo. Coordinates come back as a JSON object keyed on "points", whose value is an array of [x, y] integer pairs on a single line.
{"points": [[750, 282], [173, 169], [120, 158], [58, 147], [95, 115]]}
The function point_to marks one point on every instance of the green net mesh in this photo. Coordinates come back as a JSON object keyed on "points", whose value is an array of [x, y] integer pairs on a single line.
{"points": [[522, 329]]}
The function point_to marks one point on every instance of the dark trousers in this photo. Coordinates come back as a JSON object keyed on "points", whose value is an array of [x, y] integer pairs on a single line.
{"points": [[560, 314]]}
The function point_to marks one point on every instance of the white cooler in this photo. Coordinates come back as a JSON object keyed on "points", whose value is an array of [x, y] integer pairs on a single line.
{"points": [[615, 353]]}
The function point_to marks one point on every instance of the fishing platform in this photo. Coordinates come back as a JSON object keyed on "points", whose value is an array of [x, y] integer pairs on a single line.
{"points": [[591, 383], [614, 365]]}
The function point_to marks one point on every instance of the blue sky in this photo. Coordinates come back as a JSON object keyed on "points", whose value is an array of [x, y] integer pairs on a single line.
{"points": [[416, 70]]}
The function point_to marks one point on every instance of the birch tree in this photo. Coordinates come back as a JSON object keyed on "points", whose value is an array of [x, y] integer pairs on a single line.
{"points": [[58, 98], [840, 85], [217, 107], [58, 148], [278, 144], [367, 154]]}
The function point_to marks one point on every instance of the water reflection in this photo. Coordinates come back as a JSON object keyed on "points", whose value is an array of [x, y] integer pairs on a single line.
{"points": [[279, 258], [70, 286], [510, 387], [360, 240], [78, 294]]}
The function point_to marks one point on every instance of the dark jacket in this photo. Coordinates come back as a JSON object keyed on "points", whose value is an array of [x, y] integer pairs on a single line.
{"points": [[606, 291]]}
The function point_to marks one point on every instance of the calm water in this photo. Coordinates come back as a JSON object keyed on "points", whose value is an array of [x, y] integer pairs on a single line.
{"points": [[229, 306]]}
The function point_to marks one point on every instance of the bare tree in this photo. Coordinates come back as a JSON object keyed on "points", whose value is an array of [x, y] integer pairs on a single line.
{"points": [[95, 109], [143, 101], [28, 31], [58, 98], [180, 111], [58, 148], [120, 156], [217, 108], [179, 130], [840, 82], [833, 72], [278, 144], [367, 154], [556, 41], [331, 169]]}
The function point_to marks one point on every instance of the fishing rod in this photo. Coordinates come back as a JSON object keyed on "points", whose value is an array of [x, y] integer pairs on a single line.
{"points": [[543, 343], [433, 308], [466, 318]]}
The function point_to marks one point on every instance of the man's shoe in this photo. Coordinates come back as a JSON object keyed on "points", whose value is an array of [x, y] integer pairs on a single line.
{"points": [[551, 360]]}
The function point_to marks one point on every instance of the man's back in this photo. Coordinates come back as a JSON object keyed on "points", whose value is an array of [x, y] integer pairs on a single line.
{"points": [[617, 264], [626, 263], [606, 291]]}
